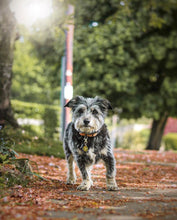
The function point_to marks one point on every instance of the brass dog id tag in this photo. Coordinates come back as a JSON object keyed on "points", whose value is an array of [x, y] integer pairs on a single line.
{"points": [[85, 148]]}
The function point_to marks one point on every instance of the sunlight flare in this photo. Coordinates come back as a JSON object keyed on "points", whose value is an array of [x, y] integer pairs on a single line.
{"points": [[27, 12]]}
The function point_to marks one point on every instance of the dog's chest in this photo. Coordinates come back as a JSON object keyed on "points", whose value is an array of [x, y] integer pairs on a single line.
{"points": [[91, 152], [89, 157]]}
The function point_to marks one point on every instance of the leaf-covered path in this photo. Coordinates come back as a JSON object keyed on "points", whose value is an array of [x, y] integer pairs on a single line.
{"points": [[147, 181]]}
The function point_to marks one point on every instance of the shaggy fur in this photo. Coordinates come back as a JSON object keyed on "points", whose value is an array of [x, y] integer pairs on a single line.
{"points": [[87, 141]]}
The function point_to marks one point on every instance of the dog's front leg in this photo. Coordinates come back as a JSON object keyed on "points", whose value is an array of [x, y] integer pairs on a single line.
{"points": [[110, 172], [86, 179], [71, 179]]}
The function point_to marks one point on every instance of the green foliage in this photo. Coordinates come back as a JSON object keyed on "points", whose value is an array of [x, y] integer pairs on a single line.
{"points": [[170, 141], [34, 76], [13, 171], [28, 141], [32, 110], [48, 113], [39, 145], [11, 177], [130, 56], [6, 152], [50, 122], [48, 42], [134, 140], [18, 171]]}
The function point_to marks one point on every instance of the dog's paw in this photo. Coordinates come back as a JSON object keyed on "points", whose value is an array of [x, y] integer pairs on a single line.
{"points": [[84, 186], [112, 188], [71, 181], [91, 182], [111, 184]]}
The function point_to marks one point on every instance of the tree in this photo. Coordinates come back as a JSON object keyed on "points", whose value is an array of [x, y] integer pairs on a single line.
{"points": [[7, 38], [48, 42], [32, 75], [127, 52], [37, 60]]}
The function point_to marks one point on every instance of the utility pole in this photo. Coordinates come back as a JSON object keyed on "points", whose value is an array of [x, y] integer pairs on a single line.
{"points": [[67, 70]]}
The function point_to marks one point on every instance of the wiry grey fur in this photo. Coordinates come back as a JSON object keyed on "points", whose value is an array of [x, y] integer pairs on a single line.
{"points": [[88, 118]]}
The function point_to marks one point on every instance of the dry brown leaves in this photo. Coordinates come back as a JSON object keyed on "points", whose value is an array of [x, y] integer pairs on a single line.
{"points": [[142, 170]]}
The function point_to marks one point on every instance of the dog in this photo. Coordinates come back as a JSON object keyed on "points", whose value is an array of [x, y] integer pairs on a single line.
{"points": [[86, 141]]}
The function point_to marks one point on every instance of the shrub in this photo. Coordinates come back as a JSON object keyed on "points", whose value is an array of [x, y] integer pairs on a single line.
{"points": [[135, 140], [32, 110], [170, 141], [50, 122], [48, 113], [27, 141], [12, 171]]}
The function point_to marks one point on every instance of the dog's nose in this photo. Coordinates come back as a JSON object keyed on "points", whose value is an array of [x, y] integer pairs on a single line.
{"points": [[86, 121]]}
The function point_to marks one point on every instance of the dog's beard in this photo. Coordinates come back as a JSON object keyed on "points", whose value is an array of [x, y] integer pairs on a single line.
{"points": [[89, 129], [86, 130]]}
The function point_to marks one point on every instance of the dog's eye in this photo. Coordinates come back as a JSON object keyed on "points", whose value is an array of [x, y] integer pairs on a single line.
{"points": [[80, 111], [95, 111]]}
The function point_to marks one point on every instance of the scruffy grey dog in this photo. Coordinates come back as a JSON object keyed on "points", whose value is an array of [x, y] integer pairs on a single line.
{"points": [[87, 140]]}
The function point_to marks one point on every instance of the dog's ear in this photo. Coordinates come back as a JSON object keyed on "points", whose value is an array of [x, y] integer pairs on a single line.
{"points": [[104, 104], [108, 104], [74, 102]]}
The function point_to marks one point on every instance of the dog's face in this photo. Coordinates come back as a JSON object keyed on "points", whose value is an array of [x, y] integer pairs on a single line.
{"points": [[88, 113]]}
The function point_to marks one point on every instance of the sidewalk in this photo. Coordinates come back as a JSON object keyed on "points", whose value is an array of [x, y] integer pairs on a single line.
{"points": [[127, 204], [148, 190]]}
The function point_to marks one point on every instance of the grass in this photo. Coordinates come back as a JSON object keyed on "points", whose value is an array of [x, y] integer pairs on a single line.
{"points": [[28, 140], [17, 171]]}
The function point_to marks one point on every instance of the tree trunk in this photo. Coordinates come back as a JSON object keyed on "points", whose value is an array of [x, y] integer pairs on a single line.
{"points": [[7, 39], [157, 133]]}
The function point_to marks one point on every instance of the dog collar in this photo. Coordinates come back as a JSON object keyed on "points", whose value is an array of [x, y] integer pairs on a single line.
{"points": [[85, 147], [89, 135]]}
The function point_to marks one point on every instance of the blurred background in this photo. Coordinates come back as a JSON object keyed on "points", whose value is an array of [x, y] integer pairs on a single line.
{"points": [[123, 50]]}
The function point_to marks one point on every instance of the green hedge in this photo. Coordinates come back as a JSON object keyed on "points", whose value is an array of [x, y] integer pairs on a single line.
{"points": [[135, 140], [48, 113], [50, 122], [31, 110], [170, 141], [24, 140], [33, 139]]}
